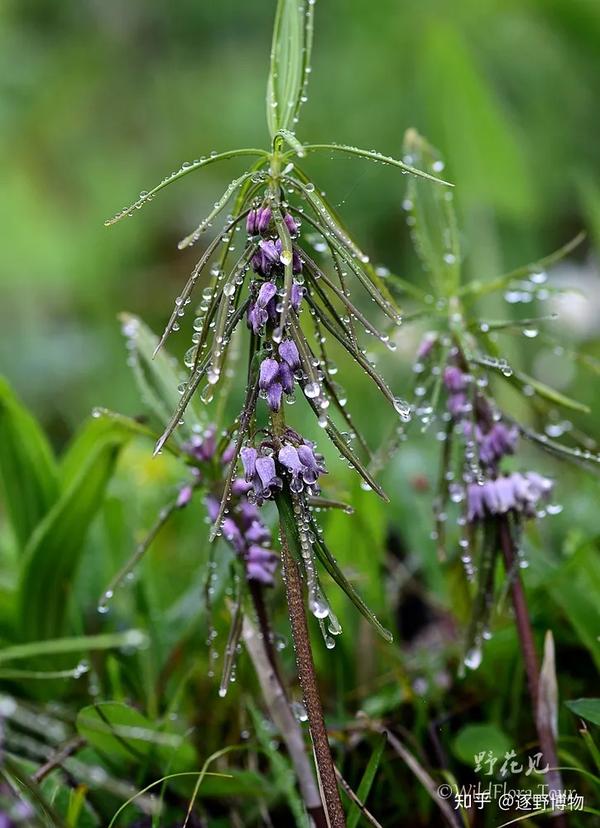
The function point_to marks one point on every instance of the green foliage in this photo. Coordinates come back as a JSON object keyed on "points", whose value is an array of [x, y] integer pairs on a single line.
{"points": [[27, 466]]}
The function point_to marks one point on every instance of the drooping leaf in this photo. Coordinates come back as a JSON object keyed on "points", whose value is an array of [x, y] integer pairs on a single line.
{"points": [[186, 167], [27, 466], [55, 548]]}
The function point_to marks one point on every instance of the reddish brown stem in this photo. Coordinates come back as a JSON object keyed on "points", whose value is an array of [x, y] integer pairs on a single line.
{"points": [[545, 735], [308, 683]]}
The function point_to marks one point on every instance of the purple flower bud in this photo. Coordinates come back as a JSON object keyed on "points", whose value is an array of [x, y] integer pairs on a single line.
{"points": [[261, 564], [212, 507], [184, 496], [286, 378], [265, 294], [426, 345], [249, 513], [240, 487], [291, 224], [252, 222], [475, 502], [263, 219], [274, 395], [297, 296], [227, 455], [232, 534], [265, 470], [203, 447], [458, 404], [289, 352], [496, 443], [454, 379], [288, 457], [269, 369], [248, 456], [257, 533], [296, 262], [266, 256], [312, 462]]}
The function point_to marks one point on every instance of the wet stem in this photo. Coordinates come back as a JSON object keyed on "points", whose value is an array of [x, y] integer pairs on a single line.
{"points": [[308, 682], [305, 663], [545, 735]]}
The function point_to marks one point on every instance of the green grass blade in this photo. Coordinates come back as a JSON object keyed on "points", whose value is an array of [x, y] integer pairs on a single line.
{"points": [[367, 780]]}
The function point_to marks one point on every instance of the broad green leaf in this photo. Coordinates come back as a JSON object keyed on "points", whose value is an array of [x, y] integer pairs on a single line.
{"points": [[367, 780], [432, 218], [54, 550], [588, 709], [27, 466], [290, 62], [477, 738]]}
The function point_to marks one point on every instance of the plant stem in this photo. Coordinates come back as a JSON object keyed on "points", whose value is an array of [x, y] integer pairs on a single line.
{"points": [[544, 731], [259, 646], [308, 682]]}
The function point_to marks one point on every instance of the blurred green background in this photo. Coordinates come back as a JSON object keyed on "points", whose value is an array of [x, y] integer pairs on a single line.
{"points": [[100, 99]]}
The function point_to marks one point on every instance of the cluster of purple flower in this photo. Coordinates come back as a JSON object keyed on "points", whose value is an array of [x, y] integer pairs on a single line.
{"points": [[264, 307], [514, 492], [268, 257], [295, 459], [259, 219], [277, 376], [243, 528], [495, 494]]}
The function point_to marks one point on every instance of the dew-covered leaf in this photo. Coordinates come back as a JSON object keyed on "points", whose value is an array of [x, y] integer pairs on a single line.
{"points": [[332, 567], [27, 466], [378, 158], [186, 168]]}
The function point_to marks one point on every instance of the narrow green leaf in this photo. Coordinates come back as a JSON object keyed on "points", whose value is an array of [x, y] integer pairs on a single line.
{"points": [[75, 644], [186, 167], [55, 548], [367, 780], [331, 565], [27, 466], [478, 288], [549, 393]]}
